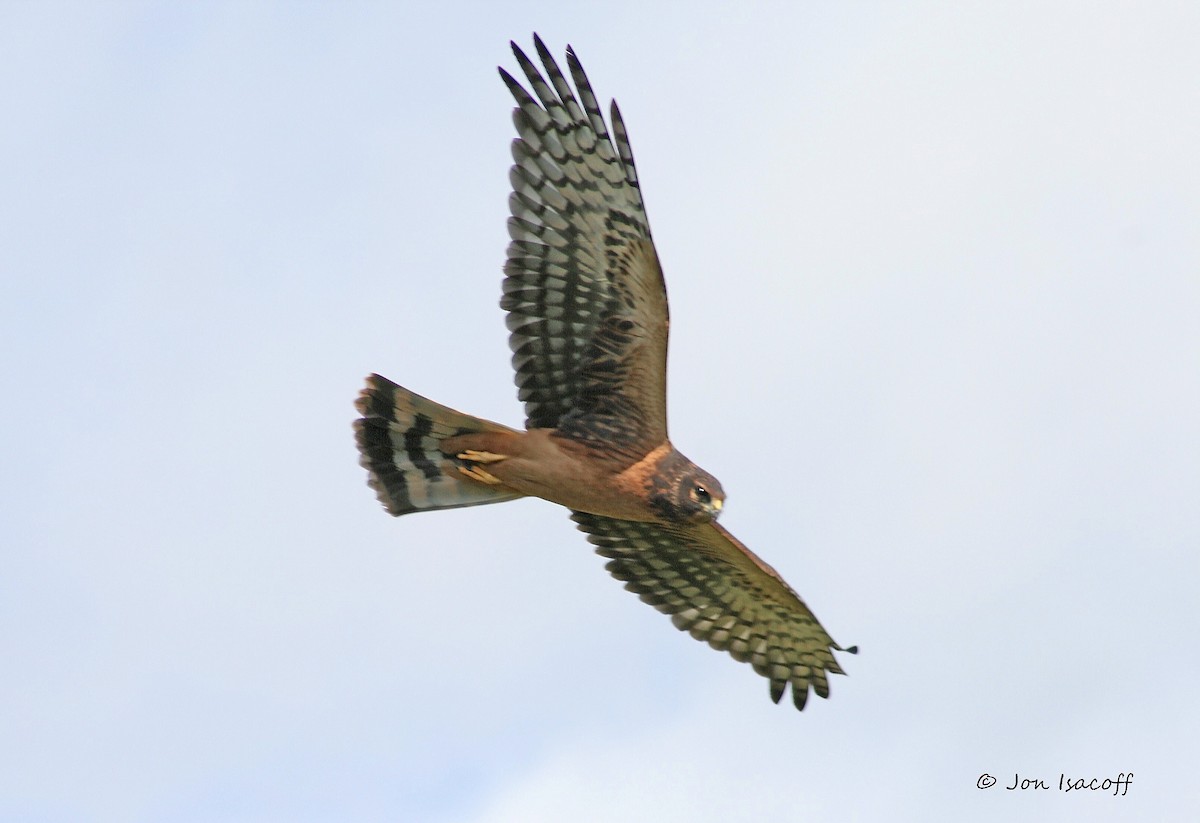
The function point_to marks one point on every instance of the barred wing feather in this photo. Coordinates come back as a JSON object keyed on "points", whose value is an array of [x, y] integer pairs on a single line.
{"points": [[720, 592], [586, 303]]}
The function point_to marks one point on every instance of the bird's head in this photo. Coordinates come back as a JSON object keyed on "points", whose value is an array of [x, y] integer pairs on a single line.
{"points": [[705, 497], [682, 492]]}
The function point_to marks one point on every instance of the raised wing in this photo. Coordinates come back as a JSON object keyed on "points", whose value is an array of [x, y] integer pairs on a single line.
{"points": [[720, 592], [586, 303]]}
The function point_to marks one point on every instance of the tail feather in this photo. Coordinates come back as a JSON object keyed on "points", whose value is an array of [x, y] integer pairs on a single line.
{"points": [[398, 437]]}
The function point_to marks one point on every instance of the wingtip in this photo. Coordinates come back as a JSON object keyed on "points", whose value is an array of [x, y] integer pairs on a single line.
{"points": [[573, 61], [518, 52]]}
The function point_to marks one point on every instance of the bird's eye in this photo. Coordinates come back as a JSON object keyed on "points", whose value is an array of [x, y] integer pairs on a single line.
{"points": [[701, 494]]}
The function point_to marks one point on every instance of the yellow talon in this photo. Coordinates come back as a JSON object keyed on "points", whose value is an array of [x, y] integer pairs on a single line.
{"points": [[476, 473], [481, 457]]}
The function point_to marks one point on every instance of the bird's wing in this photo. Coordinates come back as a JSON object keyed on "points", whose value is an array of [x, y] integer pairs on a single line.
{"points": [[586, 303], [720, 592]]}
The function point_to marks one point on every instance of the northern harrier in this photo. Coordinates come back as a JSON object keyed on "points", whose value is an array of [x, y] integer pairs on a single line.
{"points": [[587, 313]]}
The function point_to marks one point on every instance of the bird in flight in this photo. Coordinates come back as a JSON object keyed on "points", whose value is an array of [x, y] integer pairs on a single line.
{"points": [[587, 315]]}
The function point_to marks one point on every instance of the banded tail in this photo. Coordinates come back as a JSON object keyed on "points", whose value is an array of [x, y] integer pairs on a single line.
{"points": [[399, 437]]}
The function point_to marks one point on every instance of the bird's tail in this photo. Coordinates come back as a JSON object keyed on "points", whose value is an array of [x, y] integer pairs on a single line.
{"points": [[399, 437]]}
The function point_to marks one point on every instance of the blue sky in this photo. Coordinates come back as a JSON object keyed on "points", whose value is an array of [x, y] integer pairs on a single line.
{"points": [[935, 279]]}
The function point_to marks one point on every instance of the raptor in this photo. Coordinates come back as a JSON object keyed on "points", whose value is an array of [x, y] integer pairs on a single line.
{"points": [[587, 314]]}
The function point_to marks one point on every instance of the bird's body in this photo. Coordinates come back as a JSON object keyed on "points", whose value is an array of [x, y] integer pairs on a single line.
{"points": [[588, 321], [540, 463]]}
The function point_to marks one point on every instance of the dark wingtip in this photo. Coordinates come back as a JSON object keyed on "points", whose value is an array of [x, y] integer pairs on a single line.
{"points": [[573, 61], [851, 650], [518, 53]]}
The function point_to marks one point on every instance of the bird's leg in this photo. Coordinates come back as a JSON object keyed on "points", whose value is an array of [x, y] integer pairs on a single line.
{"points": [[480, 457], [475, 472]]}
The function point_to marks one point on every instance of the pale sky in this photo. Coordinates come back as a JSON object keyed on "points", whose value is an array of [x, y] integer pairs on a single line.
{"points": [[934, 272]]}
